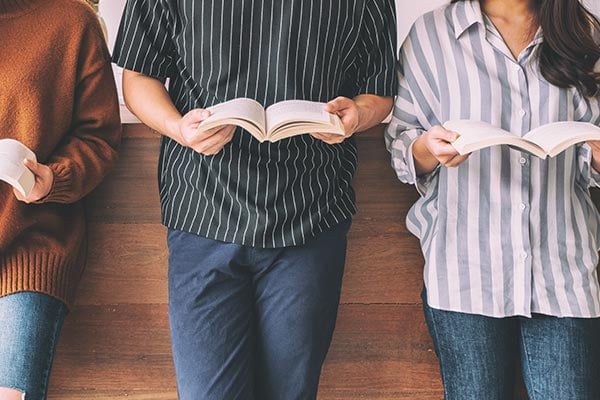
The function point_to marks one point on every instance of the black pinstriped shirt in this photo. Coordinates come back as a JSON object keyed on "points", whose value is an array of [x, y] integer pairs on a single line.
{"points": [[270, 194]]}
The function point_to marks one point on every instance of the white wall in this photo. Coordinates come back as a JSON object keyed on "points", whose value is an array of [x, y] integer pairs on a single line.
{"points": [[111, 11], [406, 10], [409, 10], [593, 5]]}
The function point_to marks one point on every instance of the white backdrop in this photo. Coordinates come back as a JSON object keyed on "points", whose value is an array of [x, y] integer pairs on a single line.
{"points": [[407, 11]]}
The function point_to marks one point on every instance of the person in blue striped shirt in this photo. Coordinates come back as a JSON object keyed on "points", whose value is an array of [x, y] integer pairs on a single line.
{"points": [[510, 241]]}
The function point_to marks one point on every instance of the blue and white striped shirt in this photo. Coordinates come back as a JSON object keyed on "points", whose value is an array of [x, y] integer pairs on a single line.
{"points": [[505, 233]]}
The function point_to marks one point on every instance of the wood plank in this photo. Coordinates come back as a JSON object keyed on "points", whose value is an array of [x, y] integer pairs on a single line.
{"points": [[115, 344], [127, 264], [124, 350], [381, 351], [112, 395], [129, 195]]}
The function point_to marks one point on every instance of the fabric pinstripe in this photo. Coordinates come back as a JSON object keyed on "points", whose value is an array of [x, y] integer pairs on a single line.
{"points": [[261, 195], [505, 233]]}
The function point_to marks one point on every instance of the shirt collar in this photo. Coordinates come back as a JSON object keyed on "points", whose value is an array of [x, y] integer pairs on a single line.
{"points": [[465, 14]]}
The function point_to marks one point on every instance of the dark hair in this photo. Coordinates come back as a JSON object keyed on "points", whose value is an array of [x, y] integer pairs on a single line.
{"points": [[569, 53]]}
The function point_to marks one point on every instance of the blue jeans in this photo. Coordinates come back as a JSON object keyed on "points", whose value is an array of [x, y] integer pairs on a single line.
{"points": [[29, 327], [478, 355], [250, 323]]}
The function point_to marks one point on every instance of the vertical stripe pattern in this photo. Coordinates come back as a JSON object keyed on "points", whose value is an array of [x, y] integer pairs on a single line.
{"points": [[260, 194], [505, 233]]}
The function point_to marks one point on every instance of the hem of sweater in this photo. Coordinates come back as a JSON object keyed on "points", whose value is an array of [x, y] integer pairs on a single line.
{"points": [[327, 222], [39, 272]]}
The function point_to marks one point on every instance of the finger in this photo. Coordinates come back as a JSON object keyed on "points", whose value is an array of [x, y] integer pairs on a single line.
{"points": [[218, 146], [439, 133], [218, 139], [200, 136], [329, 138], [325, 136], [196, 116], [443, 149], [338, 104], [33, 166], [319, 136], [456, 161]]}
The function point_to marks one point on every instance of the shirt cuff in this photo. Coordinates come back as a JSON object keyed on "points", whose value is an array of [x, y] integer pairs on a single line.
{"points": [[589, 174], [422, 182]]}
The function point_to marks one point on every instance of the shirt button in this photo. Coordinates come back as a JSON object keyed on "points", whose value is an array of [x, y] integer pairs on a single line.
{"points": [[523, 206], [523, 160], [524, 255], [522, 113]]}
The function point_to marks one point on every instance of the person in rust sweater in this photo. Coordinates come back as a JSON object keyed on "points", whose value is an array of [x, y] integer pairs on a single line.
{"points": [[57, 97]]}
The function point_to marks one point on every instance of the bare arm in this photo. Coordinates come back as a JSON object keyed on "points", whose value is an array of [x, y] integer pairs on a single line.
{"points": [[147, 98], [357, 115]]}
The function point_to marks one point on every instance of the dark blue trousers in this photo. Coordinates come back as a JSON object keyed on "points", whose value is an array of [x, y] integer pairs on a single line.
{"points": [[249, 323]]}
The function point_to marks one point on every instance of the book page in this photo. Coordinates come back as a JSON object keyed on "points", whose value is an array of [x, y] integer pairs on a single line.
{"points": [[556, 137], [247, 113], [12, 169], [291, 111], [476, 135]]}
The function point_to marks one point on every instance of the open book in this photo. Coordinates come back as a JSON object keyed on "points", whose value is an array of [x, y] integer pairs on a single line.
{"points": [[546, 140], [12, 169], [279, 121]]}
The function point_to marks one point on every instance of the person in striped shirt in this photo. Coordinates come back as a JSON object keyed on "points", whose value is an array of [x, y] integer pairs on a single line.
{"points": [[257, 231], [510, 241]]}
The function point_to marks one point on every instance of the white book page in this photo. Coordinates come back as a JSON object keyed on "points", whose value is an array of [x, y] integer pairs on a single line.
{"points": [[296, 111], [12, 169], [556, 137], [476, 135], [237, 109]]}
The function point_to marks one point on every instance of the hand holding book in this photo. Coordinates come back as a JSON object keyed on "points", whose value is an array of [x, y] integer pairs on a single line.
{"points": [[31, 181], [348, 112], [207, 142], [545, 141], [279, 121], [595, 146], [435, 147]]}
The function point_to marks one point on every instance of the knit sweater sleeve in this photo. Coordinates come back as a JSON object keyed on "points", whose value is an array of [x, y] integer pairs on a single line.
{"points": [[88, 150]]}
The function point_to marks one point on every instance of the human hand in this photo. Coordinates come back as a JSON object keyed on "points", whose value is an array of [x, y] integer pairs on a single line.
{"points": [[44, 179], [349, 114], [438, 142], [595, 146], [208, 142]]}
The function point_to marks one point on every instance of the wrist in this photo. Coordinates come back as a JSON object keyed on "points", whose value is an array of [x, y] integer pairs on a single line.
{"points": [[364, 117], [172, 127], [366, 114], [425, 161], [595, 164]]}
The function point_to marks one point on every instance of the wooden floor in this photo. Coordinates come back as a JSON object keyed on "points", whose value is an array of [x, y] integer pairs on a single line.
{"points": [[115, 344]]}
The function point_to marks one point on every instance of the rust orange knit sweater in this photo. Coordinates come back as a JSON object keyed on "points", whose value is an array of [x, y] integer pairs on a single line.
{"points": [[57, 96]]}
